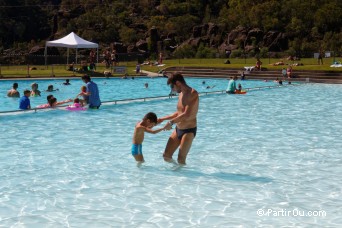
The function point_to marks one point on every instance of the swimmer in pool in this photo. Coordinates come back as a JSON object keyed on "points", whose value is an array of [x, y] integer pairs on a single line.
{"points": [[13, 92], [85, 99], [145, 125], [51, 89], [48, 98], [34, 90], [76, 103]]}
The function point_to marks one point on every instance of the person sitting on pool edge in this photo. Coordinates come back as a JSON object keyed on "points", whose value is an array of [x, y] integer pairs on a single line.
{"points": [[148, 122], [231, 85]]}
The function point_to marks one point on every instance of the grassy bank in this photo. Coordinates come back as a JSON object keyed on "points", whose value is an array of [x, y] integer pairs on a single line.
{"points": [[33, 71]]}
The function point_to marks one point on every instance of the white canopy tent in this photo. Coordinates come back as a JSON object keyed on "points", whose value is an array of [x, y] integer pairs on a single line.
{"points": [[71, 41]]}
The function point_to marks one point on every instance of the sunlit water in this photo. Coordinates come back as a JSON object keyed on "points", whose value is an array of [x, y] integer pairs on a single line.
{"points": [[272, 149]]}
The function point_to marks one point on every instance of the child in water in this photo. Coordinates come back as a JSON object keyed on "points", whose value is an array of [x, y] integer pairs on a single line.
{"points": [[239, 88], [34, 90], [76, 103], [76, 106], [145, 125], [51, 89], [85, 99]]}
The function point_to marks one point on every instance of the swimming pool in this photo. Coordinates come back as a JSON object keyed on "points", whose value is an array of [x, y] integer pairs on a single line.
{"points": [[110, 89], [273, 149]]}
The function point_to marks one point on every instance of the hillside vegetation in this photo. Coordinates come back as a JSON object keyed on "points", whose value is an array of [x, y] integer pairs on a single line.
{"points": [[181, 28]]}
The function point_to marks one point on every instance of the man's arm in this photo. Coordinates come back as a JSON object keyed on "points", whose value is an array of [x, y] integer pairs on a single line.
{"points": [[173, 115]]}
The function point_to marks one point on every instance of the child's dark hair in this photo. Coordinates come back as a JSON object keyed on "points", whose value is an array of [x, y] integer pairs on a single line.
{"points": [[151, 116], [52, 100], [48, 97], [76, 100]]}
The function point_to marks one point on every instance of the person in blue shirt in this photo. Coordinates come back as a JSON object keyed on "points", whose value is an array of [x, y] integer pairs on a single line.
{"points": [[24, 101], [92, 92], [231, 85]]}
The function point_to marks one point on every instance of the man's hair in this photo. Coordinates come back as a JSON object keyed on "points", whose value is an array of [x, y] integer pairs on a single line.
{"points": [[86, 77], [48, 97], [151, 116], [15, 85], [27, 91], [175, 77]]}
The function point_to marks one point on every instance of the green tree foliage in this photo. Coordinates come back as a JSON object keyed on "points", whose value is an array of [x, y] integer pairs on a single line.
{"points": [[22, 21], [308, 25], [185, 51], [205, 52]]}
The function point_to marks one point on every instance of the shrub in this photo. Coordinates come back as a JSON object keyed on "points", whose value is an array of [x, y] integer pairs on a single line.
{"points": [[185, 51], [205, 52], [237, 53]]}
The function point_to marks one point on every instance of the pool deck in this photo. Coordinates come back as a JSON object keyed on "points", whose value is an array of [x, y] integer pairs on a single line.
{"points": [[331, 77]]}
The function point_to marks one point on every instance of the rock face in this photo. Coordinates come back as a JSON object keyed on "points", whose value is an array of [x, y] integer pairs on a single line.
{"points": [[210, 35], [248, 39], [142, 46]]}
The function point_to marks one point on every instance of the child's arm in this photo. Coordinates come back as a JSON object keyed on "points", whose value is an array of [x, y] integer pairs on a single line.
{"points": [[149, 130]]}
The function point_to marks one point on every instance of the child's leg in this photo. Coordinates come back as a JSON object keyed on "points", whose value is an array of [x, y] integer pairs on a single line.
{"points": [[82, 102], [139, 158]]}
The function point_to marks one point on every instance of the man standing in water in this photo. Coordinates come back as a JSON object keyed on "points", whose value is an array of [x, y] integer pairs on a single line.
{"points": [[185, 119], [92, 92]]}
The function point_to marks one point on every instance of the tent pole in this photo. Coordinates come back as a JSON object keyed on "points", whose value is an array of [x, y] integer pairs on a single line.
{"points": [[68, 56], [76, 55]]}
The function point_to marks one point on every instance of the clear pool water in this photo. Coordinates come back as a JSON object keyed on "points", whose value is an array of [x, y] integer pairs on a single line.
{"points": [[273, 149]]}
